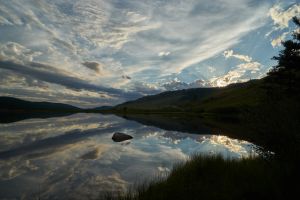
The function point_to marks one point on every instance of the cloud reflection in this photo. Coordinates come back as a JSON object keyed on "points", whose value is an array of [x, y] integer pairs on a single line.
{"points": [[76, 163]]}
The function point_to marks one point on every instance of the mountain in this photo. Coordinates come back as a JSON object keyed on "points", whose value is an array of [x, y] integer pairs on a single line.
{"points": [[10, 104]]}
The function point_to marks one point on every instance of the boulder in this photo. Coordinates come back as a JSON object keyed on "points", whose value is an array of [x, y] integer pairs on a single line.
{"points": [[119, 137]]}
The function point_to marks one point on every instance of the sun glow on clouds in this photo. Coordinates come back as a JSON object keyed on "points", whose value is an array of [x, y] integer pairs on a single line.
{"points": [[110, 47], [278, 41], [238, 74]]}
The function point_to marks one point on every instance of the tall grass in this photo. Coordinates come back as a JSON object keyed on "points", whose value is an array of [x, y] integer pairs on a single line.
{"points": [[213, 177]]}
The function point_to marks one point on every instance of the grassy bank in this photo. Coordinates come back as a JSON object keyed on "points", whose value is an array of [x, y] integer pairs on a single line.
{"points": [[216, 178]]}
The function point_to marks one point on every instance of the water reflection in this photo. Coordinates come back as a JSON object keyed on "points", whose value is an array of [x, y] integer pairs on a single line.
{"points": [[74, 157]]}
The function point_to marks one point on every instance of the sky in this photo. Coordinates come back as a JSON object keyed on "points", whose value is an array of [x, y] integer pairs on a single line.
{"points": [[103, 52]]}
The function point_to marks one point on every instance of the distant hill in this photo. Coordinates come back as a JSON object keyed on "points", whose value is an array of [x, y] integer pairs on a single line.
{"points": [[167, 101], [10, 104], [227, 99], [13, 109]]}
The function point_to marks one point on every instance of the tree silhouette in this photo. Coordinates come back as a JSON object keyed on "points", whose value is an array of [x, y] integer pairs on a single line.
{"points": [[286, 72]]}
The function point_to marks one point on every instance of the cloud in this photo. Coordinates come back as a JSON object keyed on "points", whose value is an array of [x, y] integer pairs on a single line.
{"points": [[229, 53], [164, 53], [144, 88], [126, 77], [15, 51], [251, 66], [100, 26], [109, 30], [231, 77], [180, 85], [4, 21], [52, 75], [241, 73], [279, 40], [282, 17], [51, 145], [99, 68], [95, 153], [31, 89], [93, 66], [136, 17]]}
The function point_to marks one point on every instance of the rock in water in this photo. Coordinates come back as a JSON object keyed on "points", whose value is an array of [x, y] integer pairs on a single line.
{"points": [[119, 137]]}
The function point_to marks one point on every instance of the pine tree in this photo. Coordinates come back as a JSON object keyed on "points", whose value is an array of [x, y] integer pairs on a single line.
{"points": [[287, 71]]}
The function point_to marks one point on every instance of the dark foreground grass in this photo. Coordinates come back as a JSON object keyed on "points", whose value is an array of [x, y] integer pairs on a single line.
{"points": [[215, 178]]}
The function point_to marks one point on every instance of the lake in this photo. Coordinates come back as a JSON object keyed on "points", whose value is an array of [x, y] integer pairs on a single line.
{"points": [[74, 157]]}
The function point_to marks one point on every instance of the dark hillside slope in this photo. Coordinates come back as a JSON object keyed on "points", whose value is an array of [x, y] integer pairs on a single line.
{"points": [[13, 109], [9, 104], [167, 101], [228, 99]]}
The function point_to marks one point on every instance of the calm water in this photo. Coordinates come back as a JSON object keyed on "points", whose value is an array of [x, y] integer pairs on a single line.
{"points": [[74, 157]]}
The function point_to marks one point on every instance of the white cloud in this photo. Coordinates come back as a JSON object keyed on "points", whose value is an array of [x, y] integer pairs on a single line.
{"points": [[164, 53], [180, 85], [226, 79], [143, 88], [282, 17], [136, 17], [229, 53], [4, 21], [241, 73], [97, 22], [251, 66], [17, 52], [279, 40]]}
